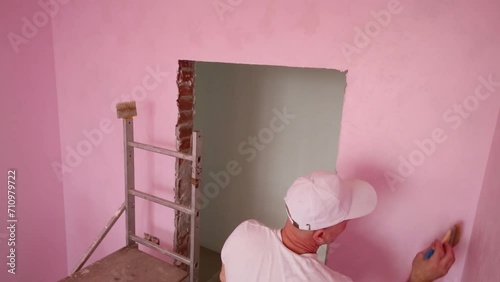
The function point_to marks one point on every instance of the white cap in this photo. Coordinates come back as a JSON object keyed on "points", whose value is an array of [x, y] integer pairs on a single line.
{"points": [[321, 199]]}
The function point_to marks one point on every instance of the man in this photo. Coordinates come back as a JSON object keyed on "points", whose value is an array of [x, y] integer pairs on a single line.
{"points": [[318, 206]]}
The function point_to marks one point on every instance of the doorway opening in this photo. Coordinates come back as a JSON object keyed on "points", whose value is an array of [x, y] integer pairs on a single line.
{"points": [[262, 127]]}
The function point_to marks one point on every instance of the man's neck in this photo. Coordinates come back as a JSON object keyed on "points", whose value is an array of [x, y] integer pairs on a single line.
{"points": [[297, 245]]}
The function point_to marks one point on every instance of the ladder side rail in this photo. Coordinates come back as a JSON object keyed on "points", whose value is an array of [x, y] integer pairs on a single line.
{"points": [[128, 127], [194, 237]]}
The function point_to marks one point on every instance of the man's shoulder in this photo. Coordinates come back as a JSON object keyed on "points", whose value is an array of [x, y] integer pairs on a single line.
{"points": [[251, 227], [249, 237], [252, 223], [250, 231]]}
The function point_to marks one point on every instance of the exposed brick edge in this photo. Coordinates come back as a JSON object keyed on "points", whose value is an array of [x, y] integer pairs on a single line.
{"points": [[183, 132]]}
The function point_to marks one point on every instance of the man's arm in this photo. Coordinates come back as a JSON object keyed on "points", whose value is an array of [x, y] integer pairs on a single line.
{"points": [[222, 275], [437, 266]]}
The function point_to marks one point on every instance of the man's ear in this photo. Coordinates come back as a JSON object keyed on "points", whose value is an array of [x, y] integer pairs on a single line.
{"points": [[319, 236]]}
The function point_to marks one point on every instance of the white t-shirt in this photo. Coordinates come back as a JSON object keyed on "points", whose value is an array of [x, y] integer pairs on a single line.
{"points": [[256, 253]]}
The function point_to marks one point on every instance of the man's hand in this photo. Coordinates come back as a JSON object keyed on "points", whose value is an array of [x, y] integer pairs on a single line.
{"points": [[427, 270]]}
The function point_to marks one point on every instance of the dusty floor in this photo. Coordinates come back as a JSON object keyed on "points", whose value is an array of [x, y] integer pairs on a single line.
{"points": [[210, 265], [128, 264]]}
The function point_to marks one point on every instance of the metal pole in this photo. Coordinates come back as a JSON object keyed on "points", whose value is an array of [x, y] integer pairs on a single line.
{"points": [[128, 134], [99, 238], [194, 248]]}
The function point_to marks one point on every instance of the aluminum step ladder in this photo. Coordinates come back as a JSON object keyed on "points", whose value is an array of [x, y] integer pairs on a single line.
{"points": [[168, 272]]}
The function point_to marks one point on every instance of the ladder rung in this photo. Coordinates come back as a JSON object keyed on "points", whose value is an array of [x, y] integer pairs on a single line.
{"points": [[163, 251], [160, 201], [160, 150]]}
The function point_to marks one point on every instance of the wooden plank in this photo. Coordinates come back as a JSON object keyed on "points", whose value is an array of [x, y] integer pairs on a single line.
{"points": [[128, 264]]}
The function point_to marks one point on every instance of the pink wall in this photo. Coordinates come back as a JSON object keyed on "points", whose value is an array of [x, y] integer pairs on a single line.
{"points": [[402, 79], [30, 143], [103, 58], [483, 255]]}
